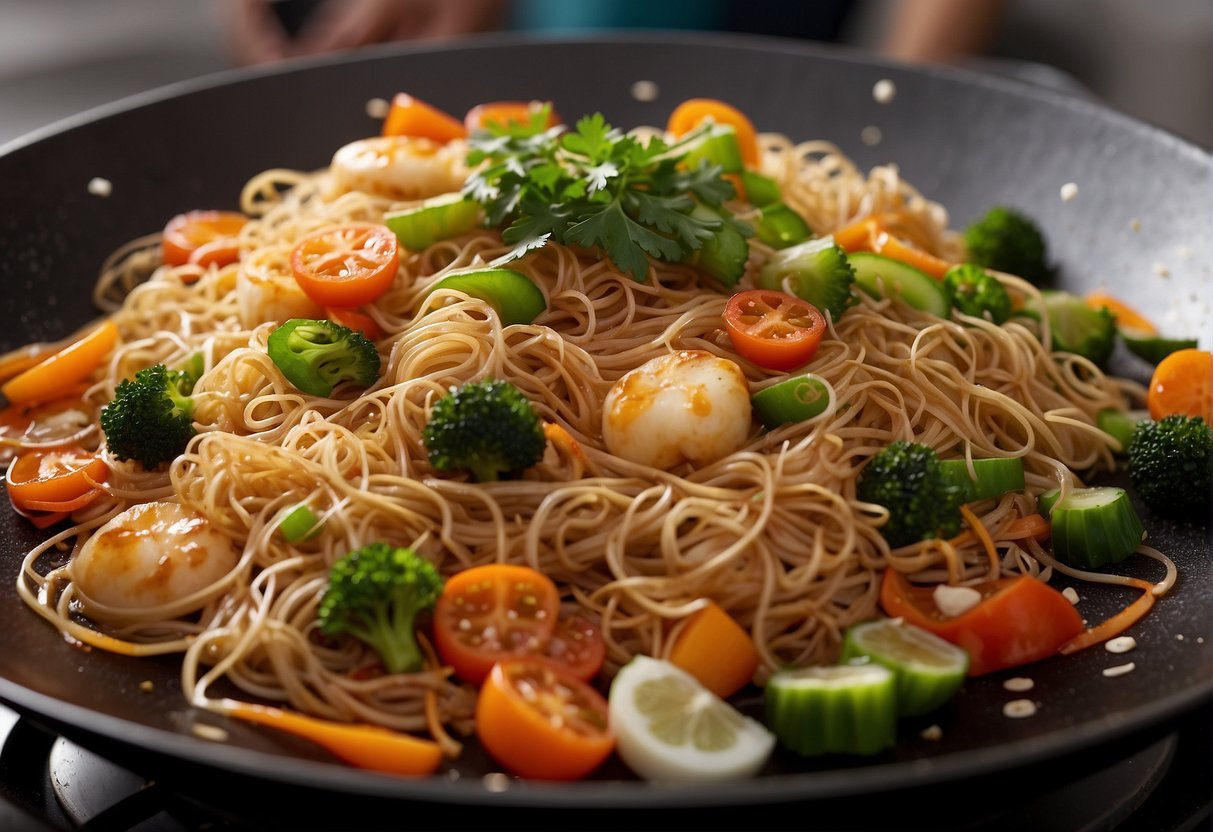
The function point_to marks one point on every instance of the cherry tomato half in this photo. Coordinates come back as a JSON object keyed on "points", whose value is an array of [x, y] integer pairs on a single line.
{"points": [[575, 647], [346, 265], [505, 113], [207, 238], [1019, 619], [1182, 384], [774, 329], [541, 723], [493, 612]]}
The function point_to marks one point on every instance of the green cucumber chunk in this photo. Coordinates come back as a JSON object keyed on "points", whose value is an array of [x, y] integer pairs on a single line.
{"points": [[1119, 424], [300, 524], [514, 295], [717, 147], [725, 253], [876, 273], [846, 709], [760, 191], [781, 227], [995, 476], [1153, 348], [440, 218], [795, 399], [1092, 527], [818, 271], [929, 670]]}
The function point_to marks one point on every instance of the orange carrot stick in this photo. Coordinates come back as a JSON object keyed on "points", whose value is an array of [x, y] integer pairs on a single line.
{"points": [[47, 380]]}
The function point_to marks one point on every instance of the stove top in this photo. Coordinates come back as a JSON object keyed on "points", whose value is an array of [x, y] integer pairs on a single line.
{"points": [[48, 784]]}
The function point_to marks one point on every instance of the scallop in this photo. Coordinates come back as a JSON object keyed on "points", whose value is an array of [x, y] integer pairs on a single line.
{"points": [[688, 406], [399, 167], [266, 290], [151, 555]]}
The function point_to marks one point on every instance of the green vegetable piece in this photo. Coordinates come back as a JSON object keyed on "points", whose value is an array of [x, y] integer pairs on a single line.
{"points": [[1076, 327], [192, 370], [151, 418], [316, 355], [1008, 241], [1119, 424], [882, 276], [760, 191], [718, 146], [375, 594], [440, 218], [906, 478], [1153, 348], [1169, 465], [1092, 527], [929, 670], [781, 227], [300, 524], [487, 427], [725, 253], [848, 709], [514, 295], [995, 477], [817, 271], [795, 399], [975, 292]]}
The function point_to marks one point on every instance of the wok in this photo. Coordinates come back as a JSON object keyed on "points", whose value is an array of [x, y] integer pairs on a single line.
{"points": [[965, 140]]}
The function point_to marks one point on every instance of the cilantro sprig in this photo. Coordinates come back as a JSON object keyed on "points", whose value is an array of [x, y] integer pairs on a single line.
{"points": [[597, 187]]}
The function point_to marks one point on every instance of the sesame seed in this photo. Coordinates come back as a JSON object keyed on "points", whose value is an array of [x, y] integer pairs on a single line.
{"points": [[1068, 191], [1118, 670], [1019, 708], [1070, 594], [210, 732], [378, 107], [645, 91], [884, 91], [1161, 270], [496, 781], [1135, 224], [1179, 636], [932, 733], [1122, 644], [1019, 684], [100, 187], [147, 686], [871, 135]]}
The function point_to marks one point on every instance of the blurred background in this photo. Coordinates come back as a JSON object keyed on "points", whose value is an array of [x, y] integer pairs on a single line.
{"points": [[1150, 60]]}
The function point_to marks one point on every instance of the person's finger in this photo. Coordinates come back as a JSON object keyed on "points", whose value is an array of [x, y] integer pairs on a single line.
{"points": [[252, 32]]}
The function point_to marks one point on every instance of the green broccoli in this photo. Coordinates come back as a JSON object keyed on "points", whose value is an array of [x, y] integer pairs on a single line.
{"points": [[1169, 464], [817, 271], [1010, 242], [151, 418], [487, 427], [375, 594], [976, 292], [906, 478], [316, 355], [1078, 328]]}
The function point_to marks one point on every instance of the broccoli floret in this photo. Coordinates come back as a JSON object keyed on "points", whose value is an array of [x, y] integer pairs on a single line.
{"points": [[375, 594], [817, 271], [1169, 464], [151, 418], [316, 355], [1078, 328], [975, 292], [1010, 242], [907, 480], [486, 427]]}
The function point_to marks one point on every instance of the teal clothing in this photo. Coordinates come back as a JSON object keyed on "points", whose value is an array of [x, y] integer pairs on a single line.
{"points": [[587, 15]]}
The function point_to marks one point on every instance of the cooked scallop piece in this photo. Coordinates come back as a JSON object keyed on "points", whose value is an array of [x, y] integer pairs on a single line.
{"points": [[688, 406], [151, 555], [266, 290], [400, 167]]}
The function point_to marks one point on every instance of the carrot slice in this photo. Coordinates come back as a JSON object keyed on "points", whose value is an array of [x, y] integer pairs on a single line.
{"points": [[47, 379], [366, 746], [894, 236], [1033, 526], [1126, 316], [716, 650], [412, 117], [1115, 625]]}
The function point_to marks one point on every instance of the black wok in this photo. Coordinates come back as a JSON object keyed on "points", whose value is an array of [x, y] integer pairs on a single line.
{"points": [[967, 141]]}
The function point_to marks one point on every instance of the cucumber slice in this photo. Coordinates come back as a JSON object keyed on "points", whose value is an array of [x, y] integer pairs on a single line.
{"points": [[724, 254], [781, 227], [1152, 348], [300, 524], [876, 273], [1092, 527], [1120, 424], [995, 476], [760, 191], [929, 670], [514, 295], [440, 218], [795, 399], [717, 147], [847, 709]]}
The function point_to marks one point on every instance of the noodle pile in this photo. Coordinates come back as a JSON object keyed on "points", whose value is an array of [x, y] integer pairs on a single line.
{"points": [[772, 533]]}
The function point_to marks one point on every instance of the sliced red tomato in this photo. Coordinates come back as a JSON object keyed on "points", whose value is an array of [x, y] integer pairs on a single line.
{"points": [[691, 113], [208, 238], [355, 320], [576, 647], [493, 612], [774, 329], [1019, 620], [541, 723], [410, 116], [58, 480], [346, 265], [505, 113]]}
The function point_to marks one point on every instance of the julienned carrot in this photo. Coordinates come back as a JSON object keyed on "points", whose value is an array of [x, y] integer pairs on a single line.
{"points": [[888, 245], [1032, 525], [366, 746], [884, 234], [48, 379], [716, 650], [1115, 625], [409, 116]]}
